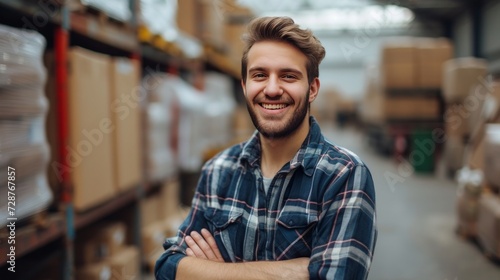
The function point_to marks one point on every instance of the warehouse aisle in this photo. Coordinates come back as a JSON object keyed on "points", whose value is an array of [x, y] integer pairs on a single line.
{"points": [[416, 221]]}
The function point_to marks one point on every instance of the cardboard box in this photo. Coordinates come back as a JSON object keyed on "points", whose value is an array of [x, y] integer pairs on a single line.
{"points": [[126, 119], [483, 104], [170, 198], [411, 108], [492, 155], [126, 264], [430, 57], [90, 128], [113, 237], [493, 107], [94, 271], [467, 207], [456, 120], [233, 36], [89, 250], [188, 19], [460, 75], [150, 210], [399, 76], [398, 64], [488, 224], [100, 242], [454, 151], [475, 151], [153, 236], [213, 15], [399, 50]]}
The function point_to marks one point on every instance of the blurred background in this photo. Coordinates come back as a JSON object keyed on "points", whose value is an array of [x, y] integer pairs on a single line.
{"points": [[108, 109]]}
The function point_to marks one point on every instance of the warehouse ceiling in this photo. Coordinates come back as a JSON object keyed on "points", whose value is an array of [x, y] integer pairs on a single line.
{"points": [[352, 14]]}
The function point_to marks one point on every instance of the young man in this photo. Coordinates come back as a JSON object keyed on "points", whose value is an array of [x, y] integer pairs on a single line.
{"points": [[286, 204]]}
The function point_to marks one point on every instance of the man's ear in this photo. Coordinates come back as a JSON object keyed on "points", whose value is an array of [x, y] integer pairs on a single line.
{"points": [[243, 87], [314, 89]]}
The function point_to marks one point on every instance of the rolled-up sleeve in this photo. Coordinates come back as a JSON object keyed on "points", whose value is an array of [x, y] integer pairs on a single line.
{"points": [[346, 233]]}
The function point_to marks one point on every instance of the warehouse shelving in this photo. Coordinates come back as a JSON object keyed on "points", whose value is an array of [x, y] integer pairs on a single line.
{"points": [[65, 28]]}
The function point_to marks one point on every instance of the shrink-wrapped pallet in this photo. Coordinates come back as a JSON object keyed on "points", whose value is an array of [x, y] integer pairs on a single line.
{"points": [[23, 109]]}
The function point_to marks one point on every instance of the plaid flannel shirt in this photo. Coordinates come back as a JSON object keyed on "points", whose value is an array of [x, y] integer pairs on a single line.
{"points": [[320, 205]]}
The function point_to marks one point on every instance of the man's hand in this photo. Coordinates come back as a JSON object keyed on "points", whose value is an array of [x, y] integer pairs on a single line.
{"points": [[203, 246]]}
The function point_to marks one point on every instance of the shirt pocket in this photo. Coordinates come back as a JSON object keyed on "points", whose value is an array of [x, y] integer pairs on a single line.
{"points": [[294, 234], [227, 227]]}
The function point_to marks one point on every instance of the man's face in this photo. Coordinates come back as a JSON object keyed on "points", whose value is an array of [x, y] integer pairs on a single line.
{"points": [[277, 90]]}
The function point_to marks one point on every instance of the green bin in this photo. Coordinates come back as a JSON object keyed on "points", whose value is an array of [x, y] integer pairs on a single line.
{"points": [[423, 150]]}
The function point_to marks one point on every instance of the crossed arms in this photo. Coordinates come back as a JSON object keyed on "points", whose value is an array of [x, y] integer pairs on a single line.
{"points": [[205, 261]]}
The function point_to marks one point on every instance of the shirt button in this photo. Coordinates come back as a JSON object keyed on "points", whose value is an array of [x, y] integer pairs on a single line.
{"points": [[290, 222]]}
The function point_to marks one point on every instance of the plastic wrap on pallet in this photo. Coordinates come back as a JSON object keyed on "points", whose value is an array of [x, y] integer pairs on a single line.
{"points": [[26, 160], [23, 109], [21, 58], [32, 196], [220, 109], [190, 46], [192, 120], [117, 9], [161, 161], [470, 181], [204, 119], [22, 130], [159, 16], [14, 103]]}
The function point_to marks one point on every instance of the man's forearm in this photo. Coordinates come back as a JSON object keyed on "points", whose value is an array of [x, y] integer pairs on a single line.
{"points": [[196, 268]]}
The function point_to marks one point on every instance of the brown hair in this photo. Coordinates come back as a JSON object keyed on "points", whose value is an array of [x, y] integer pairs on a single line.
{"points": [[284, 29]]}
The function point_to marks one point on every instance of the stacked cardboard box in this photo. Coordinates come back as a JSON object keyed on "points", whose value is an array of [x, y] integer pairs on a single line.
{"points": [[187, 17], [488, 225], [408, 86], [212, 16], [464, 89], [481, 162], [104, 150], [90, 147], [162, 215], [492, 155], [398, 64], [126, 96], [430, 58], [102, 253], [467, 203]]}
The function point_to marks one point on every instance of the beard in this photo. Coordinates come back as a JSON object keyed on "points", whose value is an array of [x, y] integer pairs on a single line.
{"points": [[278, 132]]}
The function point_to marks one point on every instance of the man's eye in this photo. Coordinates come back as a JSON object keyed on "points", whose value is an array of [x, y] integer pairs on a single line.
{"points": [[289, 77], [259, 75]]}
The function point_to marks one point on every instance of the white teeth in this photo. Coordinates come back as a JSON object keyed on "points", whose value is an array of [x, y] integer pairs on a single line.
{"points": [[273, 106]]}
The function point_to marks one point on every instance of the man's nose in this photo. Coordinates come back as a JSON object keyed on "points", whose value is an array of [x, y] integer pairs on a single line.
{"points": [[273, 88]]}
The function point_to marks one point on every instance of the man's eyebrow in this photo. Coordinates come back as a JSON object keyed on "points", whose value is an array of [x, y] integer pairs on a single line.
{"points": [[291, 70], [283, 70], [257, 68]]}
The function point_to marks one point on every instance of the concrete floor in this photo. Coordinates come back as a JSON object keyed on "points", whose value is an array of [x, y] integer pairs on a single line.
{"points": [[416, 222]]}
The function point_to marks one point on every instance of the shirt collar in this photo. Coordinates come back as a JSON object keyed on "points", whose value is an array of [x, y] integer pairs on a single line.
{"points": [[307, 156]]}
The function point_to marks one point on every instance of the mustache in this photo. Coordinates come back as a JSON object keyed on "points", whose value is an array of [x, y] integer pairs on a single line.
{"points": [[279, 99]]}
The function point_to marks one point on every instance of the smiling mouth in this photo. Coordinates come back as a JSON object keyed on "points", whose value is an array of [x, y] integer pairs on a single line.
{"points": [[273, 106]]}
